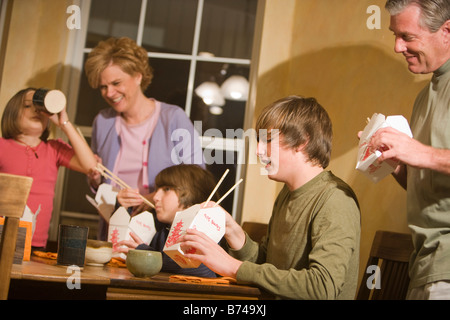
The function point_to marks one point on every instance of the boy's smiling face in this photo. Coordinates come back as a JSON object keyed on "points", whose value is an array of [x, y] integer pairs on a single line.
{"points": [[277, 157]]}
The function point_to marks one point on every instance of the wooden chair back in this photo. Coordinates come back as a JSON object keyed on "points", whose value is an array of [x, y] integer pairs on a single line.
{"points": [[14, 191], [390, 252], [255, 230]]}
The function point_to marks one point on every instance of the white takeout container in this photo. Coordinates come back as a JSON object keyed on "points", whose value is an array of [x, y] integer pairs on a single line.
{"points": [[105, 200], [121, 224], [210, 221], [29, 216], [367, 161]]}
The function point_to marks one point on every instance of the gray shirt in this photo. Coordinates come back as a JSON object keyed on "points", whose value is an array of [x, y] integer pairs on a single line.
{"points": [[428, 192]]}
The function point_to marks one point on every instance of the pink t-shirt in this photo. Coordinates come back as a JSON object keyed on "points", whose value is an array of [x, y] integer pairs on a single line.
{"points": [[21, 160], [132, 162]]}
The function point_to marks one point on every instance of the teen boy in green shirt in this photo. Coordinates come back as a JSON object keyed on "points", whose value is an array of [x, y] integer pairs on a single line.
{"points": [[311, 250]]}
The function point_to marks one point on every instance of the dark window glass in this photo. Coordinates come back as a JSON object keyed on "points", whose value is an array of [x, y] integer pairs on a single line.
{"points": [[218, 170], [90, 102], [169, 26], [112, 18], [231, 114], [170, 81], [228, 27], [77, 188]]}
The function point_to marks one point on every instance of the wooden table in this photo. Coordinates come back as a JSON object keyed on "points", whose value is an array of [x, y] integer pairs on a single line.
{"points": [[41, 279]]}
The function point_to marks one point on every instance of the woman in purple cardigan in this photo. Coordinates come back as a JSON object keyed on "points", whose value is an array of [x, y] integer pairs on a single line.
{"points": [[138, 136]]}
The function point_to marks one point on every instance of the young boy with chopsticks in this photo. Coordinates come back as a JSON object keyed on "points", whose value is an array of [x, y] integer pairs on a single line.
{"points": [[311, 250], [177, 188]]}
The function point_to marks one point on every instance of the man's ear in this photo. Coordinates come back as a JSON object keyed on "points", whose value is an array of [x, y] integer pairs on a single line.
{"points": [[445, 29]]}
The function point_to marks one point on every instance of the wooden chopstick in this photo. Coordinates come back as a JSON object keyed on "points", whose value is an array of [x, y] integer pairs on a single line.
{"points": [[217, 187], [108, 174], [229, 191], [118, 182]]}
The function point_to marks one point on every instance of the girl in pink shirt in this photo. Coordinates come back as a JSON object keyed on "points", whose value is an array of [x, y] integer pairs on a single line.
{"points": [[26, 150]]}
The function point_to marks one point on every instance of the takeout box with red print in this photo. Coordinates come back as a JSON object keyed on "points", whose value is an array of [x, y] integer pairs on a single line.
{"points": [[210, 221], [368, 160]]}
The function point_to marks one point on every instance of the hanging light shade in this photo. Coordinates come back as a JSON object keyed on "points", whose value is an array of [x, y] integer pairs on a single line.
{"points": [[210, 93], [215, 110], [235, 88]]}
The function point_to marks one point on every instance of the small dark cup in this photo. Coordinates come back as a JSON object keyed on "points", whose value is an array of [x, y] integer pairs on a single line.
{"points": [[72, 245]]}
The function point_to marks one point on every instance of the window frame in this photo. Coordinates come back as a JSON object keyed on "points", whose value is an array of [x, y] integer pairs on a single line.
{"points": [[71, 84]]}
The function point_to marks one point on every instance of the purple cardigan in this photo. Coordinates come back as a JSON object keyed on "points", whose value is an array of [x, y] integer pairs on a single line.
{"points": [[173, 141]]}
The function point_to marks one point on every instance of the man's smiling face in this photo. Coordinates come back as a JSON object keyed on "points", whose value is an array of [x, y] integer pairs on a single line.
{"points": [[424, 51]]}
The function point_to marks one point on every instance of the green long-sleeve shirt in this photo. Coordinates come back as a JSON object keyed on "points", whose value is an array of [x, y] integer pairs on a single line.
{"points": [[311, 250]]}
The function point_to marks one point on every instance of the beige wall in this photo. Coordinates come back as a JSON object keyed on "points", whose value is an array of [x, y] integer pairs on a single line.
{"points": [[324, 49], [36, 46], [271, 82]]}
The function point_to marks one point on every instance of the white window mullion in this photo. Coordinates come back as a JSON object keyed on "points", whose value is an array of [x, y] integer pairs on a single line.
{"points": [[74, 57], [141, 25], [190, 89]]}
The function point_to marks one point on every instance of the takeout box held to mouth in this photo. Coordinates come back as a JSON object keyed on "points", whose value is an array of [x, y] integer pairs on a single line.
{"points": [[210, 221], [367, 161]]}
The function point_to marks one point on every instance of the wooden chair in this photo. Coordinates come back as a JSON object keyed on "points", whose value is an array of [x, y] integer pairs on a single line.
{"points": [[14, 191], [255, 230], [390, 251]]}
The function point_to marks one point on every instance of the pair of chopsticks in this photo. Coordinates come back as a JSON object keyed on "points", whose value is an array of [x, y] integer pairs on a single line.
{"points": [[109, 175], [217, 187]]}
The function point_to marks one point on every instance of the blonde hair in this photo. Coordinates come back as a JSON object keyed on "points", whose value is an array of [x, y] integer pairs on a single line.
{"points": [[123, 52]]}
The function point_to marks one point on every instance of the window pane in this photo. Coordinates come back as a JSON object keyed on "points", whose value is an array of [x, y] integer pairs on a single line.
{"points": [[169, 26], [170, 81], [227, 28], [229, 116], [90, 102], [218, 169], [112, 18], [76, 188], [227, 31]]}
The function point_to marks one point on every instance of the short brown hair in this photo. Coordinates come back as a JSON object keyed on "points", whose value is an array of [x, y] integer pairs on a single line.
{"points": [[192, 183], [12, 114], [123, 52], [299, 121]]}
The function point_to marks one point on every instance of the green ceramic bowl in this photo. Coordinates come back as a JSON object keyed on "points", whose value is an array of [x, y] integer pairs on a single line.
{"points": [[144, 263]]}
